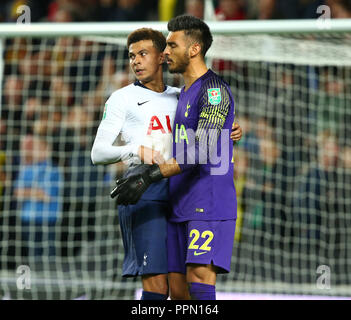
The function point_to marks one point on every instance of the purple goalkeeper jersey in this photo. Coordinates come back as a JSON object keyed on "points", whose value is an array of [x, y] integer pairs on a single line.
{"points": [[204, 190]]}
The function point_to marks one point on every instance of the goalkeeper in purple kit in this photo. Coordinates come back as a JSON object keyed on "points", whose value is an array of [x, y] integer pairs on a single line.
{"points": [[201, 228]]}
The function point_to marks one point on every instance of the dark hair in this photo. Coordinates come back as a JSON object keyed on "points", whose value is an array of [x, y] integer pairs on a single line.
{"points": [[158, 39], [194, 28], [346, 4]]}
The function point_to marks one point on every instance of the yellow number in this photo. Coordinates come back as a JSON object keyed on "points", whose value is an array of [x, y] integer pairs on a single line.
{"points": [[209, 239], [196, 234]]}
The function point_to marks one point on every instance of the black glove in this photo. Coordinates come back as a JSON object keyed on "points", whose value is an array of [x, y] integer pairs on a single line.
{"points": [[129, 190]]}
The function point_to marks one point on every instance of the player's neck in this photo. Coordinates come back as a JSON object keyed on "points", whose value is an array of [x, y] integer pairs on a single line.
{"points": [[193, 72], [156, 85]]}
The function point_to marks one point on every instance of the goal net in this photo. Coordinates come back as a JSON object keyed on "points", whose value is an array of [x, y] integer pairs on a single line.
{"points": [[59, 230]]}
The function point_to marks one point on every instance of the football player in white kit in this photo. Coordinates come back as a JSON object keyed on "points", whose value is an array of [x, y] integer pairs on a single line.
{"points": [[143, 112]]}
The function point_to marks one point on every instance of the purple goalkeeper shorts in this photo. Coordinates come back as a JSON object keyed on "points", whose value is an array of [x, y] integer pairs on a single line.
{"points": [[201, 242]]}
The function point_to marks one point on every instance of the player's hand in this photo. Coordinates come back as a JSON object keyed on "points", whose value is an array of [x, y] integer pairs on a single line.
{"points": [[150, 156], [129, 190], [236, 133]]}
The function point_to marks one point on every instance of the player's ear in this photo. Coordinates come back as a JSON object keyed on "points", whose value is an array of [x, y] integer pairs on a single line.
{"points": [[195, 49]]}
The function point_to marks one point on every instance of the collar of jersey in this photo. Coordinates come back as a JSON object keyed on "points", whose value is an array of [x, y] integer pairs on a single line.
{"points": [[138, 83]]}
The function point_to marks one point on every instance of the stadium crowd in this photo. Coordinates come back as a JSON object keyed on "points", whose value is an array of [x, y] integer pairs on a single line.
{"points": [[137, 10], [53, 90]]}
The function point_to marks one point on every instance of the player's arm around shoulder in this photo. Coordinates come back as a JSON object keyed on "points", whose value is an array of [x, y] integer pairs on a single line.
{"points": [[236, 133]]}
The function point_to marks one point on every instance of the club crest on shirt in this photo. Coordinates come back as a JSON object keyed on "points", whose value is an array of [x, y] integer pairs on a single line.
{"points": [[214, 96], [188, 106]]}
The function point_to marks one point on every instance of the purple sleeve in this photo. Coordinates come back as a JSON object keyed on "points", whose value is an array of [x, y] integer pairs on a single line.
{"points": [[213, 113]]}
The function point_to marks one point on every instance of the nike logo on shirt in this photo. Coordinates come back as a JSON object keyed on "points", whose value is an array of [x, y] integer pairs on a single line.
{"points": [[199, 253], [140, 103]]}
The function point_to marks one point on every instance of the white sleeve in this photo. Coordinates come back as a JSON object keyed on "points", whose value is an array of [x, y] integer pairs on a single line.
{"points": [[103, 150]]}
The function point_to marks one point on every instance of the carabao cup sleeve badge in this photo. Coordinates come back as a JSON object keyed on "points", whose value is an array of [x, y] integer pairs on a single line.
{"points": [[214, 96]]}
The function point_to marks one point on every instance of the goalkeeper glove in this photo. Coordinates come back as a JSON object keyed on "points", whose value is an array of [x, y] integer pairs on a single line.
{"points": [[129, 190]]}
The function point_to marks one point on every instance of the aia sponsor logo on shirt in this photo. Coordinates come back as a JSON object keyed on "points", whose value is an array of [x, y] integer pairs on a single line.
{"points": [[156, 124]]}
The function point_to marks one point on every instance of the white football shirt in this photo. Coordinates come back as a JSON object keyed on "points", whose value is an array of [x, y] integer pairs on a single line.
{"points": [[142, 116]]}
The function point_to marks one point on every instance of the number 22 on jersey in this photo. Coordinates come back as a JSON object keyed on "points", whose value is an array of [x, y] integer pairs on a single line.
{"points": [[195, 234]]}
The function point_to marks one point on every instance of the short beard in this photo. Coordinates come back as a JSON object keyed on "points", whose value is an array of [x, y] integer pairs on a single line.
{"points": [[182, 65]]}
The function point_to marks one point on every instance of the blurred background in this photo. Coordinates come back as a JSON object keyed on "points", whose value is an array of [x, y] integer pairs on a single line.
{"points": [[163, 10]]}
